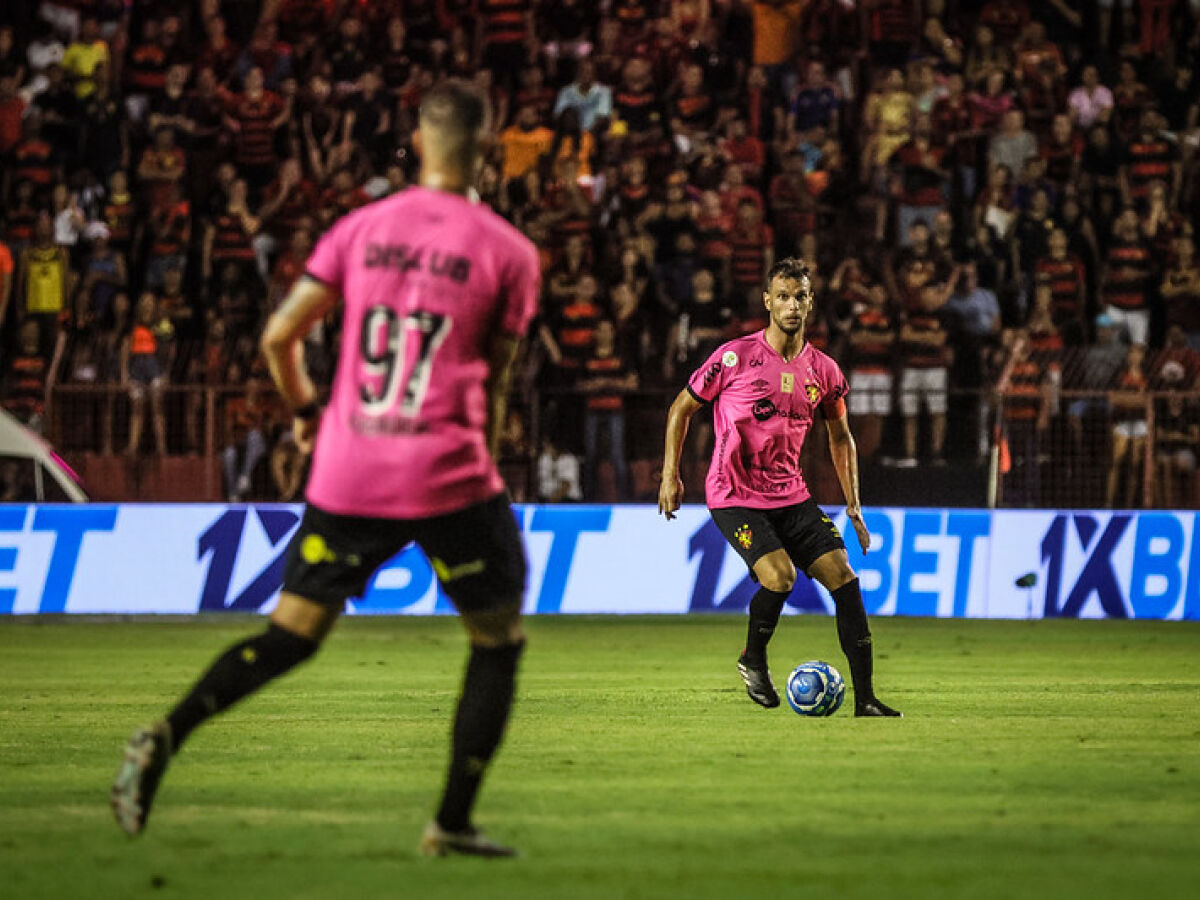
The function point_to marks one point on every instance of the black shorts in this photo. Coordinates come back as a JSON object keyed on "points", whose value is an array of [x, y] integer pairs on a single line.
{"points": [[476, 553], [802, 530]]}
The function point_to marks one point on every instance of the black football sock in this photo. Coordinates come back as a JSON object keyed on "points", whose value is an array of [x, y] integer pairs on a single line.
{"points": [[239, 671], [483, 709], [765, 607], [855, 636]]}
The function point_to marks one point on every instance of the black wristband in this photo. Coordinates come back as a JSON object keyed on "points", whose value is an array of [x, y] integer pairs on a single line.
{"points": [[309, 410]]}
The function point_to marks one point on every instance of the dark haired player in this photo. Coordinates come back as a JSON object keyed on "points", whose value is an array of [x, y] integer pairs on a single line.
{"points": [[766, 389], [437, 291]]}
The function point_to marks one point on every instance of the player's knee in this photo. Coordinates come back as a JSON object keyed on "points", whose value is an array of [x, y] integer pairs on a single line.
{"points": [[780, 578]]}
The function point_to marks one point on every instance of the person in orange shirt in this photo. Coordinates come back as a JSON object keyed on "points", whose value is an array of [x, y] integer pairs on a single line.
{"points": [[523, 144], [142, 372], [777, 36]]}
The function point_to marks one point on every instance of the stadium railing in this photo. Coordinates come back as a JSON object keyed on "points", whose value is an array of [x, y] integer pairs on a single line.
{"points": [[1068, 464]]}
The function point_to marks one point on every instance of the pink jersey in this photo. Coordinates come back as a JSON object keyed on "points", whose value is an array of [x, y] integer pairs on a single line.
{"points": [[762, 410], [428, 278]]}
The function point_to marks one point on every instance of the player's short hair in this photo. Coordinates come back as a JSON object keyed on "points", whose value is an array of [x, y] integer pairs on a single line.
{"points": [[456, 113], [790, 267]]}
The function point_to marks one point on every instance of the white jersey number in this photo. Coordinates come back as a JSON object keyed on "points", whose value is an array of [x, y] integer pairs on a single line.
{"points": [[382, 343]]}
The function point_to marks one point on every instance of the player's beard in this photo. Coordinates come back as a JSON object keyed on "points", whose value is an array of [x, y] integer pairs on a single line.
{"points": [[790, 330]]}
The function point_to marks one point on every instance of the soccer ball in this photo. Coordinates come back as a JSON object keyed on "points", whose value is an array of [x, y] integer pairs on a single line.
{"points": [[815, 689]]}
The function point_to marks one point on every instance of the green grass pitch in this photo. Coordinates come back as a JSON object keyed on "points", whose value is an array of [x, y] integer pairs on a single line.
{"points": [[1055, 759]]}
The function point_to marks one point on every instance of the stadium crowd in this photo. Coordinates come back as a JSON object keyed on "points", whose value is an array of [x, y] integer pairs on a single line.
{"points": [[998, 199]]}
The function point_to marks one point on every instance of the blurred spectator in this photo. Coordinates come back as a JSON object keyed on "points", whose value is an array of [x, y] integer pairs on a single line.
{"points": [[1064, 274], [1149, 158], [46, 282], [83, 55], [143, 373], [105, 274], [245, 443], [1176, 437], [605, 379], [1091, 103], [592, 100], [252, 118], [523, 143], [752, 242], [1131, 99], [229, 236], [922, 183], [504, 33], [925, 358], [1181, 291], [1028, 388], [106, 147], [12, 110], [1101, 166], [872, 342], [816, 102], [1013, 143], [1129, 427], [1125, 282], [985, 56], [169, 229], [29, 373], [163, 166], [913, 267]]}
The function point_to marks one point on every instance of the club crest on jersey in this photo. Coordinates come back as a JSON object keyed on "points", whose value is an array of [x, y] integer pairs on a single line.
{"points": [[730, 359], [744, 536], [813, 392]]}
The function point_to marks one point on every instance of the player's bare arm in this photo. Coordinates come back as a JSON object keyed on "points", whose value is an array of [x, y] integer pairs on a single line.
{"points": [[283, 347], [845, 460], [670, 489], [502, 351]]}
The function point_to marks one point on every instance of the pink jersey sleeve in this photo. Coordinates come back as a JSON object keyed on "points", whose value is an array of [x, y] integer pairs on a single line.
{"points": [[522, 287], [706, 382], [327, 263]]}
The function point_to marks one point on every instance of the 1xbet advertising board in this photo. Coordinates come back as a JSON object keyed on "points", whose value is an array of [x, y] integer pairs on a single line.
{"points": [[618, 559]]}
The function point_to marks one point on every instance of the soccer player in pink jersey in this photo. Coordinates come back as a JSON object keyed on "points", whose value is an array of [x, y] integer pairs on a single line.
{"points": [[766, 389], [437, 291]]}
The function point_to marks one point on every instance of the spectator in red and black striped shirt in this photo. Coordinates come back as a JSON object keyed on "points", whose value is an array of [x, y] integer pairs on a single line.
{"points": [[228, 237], [1125, 282], [1149, 157], [925, 357], [1062, 152], [1063, 272], [606, 378], [33, 158], [145, 70], [753, 245], [252, 118], [637, 105], [503, 34]]}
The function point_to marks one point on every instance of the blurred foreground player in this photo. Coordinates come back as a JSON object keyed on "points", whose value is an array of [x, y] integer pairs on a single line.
{"points": [[437, 291], [765, 389]]}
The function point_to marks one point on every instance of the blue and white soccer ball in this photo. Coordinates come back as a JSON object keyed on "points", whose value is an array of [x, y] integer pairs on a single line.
{"points": [[815, 689]]}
